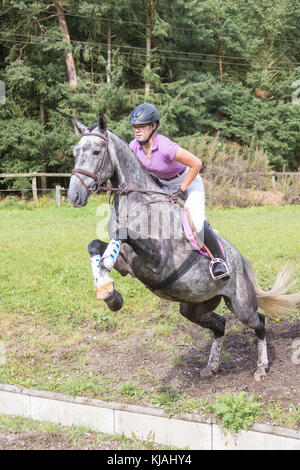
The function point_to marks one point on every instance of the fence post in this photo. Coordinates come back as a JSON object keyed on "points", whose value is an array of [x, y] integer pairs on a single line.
{"points": [[58, 194], [273, 182], [44, 184], [34, 190]]}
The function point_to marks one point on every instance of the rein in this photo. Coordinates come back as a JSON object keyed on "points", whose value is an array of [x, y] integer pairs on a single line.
{"points": [[123, 189]]}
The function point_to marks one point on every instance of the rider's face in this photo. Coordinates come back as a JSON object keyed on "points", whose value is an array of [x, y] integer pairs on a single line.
{"points": [[142, 131]]}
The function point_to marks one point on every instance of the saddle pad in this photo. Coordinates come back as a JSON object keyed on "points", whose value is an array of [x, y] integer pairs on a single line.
{"points": [[190, 235]]}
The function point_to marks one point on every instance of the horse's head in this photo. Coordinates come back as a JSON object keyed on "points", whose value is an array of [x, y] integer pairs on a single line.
{"points": [[93, 165]]}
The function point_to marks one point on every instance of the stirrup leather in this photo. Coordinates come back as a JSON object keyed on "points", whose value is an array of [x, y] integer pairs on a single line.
{"points": [[211, 265]]}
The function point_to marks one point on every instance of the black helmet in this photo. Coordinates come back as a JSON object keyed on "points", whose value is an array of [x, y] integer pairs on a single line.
{"points": [[144, 113]]}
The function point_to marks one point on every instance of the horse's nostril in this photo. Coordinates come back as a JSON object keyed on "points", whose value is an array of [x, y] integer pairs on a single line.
{"points": [[73, 197]]}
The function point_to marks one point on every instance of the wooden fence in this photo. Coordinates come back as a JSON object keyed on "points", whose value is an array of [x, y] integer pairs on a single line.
{"points": [[58, 188], [43, 176]]}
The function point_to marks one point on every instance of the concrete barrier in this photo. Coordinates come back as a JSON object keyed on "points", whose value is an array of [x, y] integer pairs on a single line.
{"points": [[191, 431]]}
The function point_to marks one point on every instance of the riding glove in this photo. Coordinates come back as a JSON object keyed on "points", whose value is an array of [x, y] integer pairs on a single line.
{"points": [[181, 194]]}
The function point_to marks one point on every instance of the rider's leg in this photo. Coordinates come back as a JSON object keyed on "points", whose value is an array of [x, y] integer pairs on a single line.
{"points": [[219, 269], [196, 204]]}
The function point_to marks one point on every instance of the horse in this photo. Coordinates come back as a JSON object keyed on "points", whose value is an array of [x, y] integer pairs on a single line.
{"points": [[101, 156]]}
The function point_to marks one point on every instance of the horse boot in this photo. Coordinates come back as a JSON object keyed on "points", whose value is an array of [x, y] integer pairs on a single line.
{"points": [[101, 267], [218, 268]]}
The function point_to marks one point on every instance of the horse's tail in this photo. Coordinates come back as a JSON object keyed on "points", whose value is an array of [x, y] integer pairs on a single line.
{"points": [[275, 302]]}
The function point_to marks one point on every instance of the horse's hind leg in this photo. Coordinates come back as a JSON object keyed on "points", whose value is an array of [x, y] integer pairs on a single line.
{"points": [[243, 303], [202, 315]]}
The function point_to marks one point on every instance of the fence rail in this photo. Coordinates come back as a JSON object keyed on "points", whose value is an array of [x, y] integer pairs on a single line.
{"points": [[59, 188], [34, 177]]}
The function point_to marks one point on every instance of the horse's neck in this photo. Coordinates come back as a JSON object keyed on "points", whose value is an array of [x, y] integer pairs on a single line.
{"points": [[128, 169]]}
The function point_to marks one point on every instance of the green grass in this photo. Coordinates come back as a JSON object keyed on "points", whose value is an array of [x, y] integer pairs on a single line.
{"points": [[39, 435], [52, 324], [45, 268]]}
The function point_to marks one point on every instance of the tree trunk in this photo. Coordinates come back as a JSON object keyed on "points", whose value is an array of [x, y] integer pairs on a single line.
{"points": [[148, 46], [68, 55], [148, 61], [220, 62], [108, 53], [71, 69], [42, 115]]}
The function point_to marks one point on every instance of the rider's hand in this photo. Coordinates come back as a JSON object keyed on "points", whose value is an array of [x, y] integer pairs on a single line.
{"points": [[181, 194]]}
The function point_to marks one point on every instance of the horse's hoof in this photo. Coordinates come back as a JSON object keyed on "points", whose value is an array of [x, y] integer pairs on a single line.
{"points": [[114, 301], [260, 374], [105, 291], [207, 372]]}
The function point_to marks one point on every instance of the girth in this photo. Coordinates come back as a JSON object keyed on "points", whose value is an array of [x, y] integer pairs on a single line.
{"points": [[177, 273]]}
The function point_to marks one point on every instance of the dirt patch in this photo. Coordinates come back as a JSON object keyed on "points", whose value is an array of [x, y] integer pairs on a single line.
{"points": [[135, 361]]}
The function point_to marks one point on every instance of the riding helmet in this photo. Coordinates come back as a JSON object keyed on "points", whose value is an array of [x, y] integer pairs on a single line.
{"points": [[144, 113]]}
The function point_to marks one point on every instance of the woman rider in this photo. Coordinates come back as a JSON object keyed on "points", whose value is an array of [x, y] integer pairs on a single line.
{"points": [[178, 171]]}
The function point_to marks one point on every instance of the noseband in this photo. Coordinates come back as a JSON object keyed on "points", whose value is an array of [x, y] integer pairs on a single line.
{"points": [[78, 171]]}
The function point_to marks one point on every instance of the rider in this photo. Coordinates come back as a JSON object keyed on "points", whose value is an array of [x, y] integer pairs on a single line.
{"points": [[178, 171]]}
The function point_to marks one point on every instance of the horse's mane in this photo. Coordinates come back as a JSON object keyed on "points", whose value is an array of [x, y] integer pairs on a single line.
{"points": [[93, 126], [154, 178]]}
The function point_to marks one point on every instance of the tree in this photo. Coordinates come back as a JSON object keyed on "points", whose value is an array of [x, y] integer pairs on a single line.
{"points": [[209, 65]]}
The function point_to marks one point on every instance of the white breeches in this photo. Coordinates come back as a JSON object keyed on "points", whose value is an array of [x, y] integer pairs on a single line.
{"points": [[195, 201]]}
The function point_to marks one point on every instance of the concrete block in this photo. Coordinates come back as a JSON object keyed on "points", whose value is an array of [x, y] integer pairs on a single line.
{"points": [[172, 432], [14, 404], [68, 414], [251, 440]]}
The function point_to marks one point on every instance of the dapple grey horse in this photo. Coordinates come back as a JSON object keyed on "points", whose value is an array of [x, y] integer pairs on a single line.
{"points": [[100, 156]]}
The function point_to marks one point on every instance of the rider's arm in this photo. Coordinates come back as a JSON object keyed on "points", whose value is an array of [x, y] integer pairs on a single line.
{"points": [[187, 158]]}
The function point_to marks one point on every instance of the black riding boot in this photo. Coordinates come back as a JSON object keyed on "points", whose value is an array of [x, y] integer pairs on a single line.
{"points": [[218, 268]]}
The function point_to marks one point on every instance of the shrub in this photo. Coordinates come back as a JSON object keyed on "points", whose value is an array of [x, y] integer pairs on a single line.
{"points": [[236, 412]]}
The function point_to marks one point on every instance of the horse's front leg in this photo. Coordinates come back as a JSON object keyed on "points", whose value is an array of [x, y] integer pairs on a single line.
{"points": [[103, 258]]}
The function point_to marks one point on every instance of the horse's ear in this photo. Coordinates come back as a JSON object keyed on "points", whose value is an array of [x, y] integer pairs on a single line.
{"points": [[79, 126], [102, 124]]}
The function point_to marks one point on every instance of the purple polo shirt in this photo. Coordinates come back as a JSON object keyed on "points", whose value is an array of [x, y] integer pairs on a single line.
{"points": [[162, 163]]}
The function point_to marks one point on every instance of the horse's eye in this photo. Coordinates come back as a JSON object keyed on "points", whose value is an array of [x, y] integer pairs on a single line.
{"points": [[96, 152]]}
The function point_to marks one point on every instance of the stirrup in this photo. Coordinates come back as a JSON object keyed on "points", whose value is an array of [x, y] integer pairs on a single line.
{"points": [[220, 276]]}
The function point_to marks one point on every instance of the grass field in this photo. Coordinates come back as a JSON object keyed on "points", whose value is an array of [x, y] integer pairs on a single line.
{"points": [[50, 321], [25, 434]]}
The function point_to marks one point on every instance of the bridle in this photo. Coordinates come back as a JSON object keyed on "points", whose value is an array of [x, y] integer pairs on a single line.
{"points": [[78, 171]]}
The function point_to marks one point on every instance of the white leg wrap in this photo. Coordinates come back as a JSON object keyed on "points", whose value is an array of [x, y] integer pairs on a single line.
{"points": [[95, 265], [215, 353], [111, 253], [262, 354], [101, 267], [262, 360]]}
